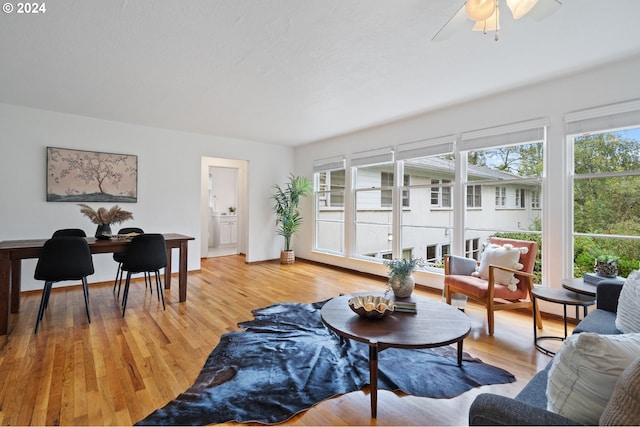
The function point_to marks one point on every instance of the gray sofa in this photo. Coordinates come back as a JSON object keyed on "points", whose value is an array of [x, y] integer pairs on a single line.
{"points": [[529, 406]]}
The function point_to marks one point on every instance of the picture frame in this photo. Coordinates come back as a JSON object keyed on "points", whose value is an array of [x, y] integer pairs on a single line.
{"points": [[91, 176]]}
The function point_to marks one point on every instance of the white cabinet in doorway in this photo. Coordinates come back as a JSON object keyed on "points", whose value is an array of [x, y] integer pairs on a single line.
{"points": [[225, 230]]}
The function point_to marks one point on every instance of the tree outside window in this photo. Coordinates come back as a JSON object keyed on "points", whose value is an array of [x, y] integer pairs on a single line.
{"points": [[606, 203]]}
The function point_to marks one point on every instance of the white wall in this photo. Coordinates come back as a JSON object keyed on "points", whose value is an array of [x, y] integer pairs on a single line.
{"points": [[224, 188], [614, 83], [169, 181]]}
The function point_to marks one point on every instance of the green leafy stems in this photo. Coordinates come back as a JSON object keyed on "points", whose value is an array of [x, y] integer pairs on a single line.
{"points": [[286, 200], [401, 268]]}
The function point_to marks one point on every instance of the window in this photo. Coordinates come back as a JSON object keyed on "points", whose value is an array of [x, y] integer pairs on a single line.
{"points": [[510, 174], [507, 162], [441, 193], [472, 249], [432, 253], [331, 189], [535, 199], [474, 196], [386, 178], [422, 228], [445, 250], [373, 213], [501, 197], [329, 193], [606, 199], [386, 194], [406, 202], [520, 198], [336, 188]]}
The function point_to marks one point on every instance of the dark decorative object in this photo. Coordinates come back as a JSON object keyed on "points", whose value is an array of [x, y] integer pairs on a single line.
{"points": [[103, 231], [286, 361], [104, 218], [89, 176], [606, 266]]}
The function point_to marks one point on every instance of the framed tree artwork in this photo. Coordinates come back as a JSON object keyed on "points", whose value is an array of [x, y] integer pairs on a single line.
{"points": [[90, 176]]}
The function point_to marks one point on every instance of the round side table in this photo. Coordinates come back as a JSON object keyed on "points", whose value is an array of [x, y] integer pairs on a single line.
{"points": [[558, 296]]}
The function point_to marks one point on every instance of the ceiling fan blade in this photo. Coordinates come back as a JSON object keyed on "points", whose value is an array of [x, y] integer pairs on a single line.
{"points": [[453, 24], [544, 8]]}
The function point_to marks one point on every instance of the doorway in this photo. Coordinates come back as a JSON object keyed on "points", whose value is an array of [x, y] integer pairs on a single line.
{"points": [[223, 206]]}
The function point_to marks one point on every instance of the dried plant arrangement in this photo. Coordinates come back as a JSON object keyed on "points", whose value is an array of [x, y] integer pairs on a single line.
{"points": [[115, 215]]}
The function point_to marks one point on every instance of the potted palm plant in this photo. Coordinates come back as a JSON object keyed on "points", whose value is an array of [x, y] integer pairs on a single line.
{"points": [[288, 217]]}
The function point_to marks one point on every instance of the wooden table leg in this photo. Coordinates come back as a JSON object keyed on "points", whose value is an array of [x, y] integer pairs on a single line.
{"points": [[460, 353], [182, 269], [16, 277], [5, 292], [373, 377], [167, 271]]}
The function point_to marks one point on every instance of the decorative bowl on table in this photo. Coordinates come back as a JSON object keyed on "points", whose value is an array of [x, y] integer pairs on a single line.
{"points": [[126, 236], [371, 307]]}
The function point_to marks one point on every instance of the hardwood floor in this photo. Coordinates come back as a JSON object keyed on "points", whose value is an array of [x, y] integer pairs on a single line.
{"points": [[116, 370]]}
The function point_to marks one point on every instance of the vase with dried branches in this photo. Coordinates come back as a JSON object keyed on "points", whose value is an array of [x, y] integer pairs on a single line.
{"points": [[104, 217]]}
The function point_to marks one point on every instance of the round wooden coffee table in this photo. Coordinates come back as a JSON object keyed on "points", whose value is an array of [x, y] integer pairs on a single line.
{"points": [[434, 325]]}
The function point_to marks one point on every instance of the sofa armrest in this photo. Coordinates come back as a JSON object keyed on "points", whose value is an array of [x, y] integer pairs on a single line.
{"points": [[607, 294], [491, 410]]}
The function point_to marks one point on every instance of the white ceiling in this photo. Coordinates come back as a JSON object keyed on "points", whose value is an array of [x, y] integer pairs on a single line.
{"points": [[288, 71]]}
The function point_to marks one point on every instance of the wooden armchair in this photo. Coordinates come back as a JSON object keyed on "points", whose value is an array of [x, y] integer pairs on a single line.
{"points": [[492, 295]]}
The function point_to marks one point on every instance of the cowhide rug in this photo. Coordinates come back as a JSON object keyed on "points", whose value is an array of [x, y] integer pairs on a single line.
{"points": [[286, 361]]}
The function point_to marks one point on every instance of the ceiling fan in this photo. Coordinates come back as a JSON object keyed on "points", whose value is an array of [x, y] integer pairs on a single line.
{"points": [[486, 15]]}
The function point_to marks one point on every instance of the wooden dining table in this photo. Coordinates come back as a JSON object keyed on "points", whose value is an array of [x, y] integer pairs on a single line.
{"points": [[12, 252]]}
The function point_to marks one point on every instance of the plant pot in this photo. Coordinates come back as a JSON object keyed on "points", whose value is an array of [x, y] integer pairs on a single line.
{"points": [[402, 286], [606, 269], [103, 232], [287, 257]]}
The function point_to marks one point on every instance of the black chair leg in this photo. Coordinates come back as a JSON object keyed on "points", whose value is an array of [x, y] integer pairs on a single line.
{"points": [[46, 294], [118, 275], [120, 281], [85, 289], [147, 281], [159, 289], [43, 303], [125, 295]]}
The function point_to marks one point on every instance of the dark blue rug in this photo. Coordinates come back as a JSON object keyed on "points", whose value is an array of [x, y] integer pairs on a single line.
{"points": [[286, 361]]}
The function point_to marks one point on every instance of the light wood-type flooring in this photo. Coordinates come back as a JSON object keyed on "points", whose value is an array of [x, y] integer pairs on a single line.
{"points": [[116, 370]]}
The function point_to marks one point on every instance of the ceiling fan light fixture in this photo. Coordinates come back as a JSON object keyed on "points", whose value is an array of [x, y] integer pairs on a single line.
{"points": [[520, 8], [480, 10], [492, 23]]}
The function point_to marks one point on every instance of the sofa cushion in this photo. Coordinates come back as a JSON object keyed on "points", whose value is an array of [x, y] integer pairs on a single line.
{"points": [[584, 372], [623, 408], [598, 321], [627, 319], [478, 288], [535, 392], [503, 256]]}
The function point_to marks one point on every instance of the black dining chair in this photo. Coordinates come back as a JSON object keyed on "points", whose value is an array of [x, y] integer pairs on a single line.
{"points": [[146, 253], [63, 258], [74, 232], [119, 258]]}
